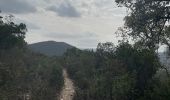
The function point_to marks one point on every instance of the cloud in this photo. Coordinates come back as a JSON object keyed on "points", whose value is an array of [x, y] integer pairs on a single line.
{"points": [[16, 6], [82, 23], [65, 9], [30, 25], [85, 8], [85, 35]]}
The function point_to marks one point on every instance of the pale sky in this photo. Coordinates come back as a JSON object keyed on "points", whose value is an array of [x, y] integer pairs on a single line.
{"points": [[81, 23]]}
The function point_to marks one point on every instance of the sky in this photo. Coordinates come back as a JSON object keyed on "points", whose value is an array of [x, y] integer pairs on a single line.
{"points": [[81, 23]]}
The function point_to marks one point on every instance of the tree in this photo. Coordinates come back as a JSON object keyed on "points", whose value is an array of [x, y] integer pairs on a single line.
{"points": [[106, 47], [143, 63], [11, 34], [147, 21], [22, 72]]}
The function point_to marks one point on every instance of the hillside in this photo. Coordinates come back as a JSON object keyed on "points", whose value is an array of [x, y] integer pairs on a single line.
{"points": [[50, 48]]}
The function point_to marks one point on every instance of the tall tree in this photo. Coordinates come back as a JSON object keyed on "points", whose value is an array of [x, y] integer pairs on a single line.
{"points": [[11, 34], [147, 21], [143, 63]]}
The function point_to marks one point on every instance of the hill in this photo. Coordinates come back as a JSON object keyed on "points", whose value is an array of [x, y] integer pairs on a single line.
{"points": [[50, 48]]}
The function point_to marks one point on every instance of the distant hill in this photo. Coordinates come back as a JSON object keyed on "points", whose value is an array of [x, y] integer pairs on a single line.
{"points": [[50, 48]]}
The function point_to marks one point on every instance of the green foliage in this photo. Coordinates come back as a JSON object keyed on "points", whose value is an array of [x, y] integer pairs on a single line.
{"points": [[147, 21], [97, 75], [160, 91], [11, 34], [112, 73], [24, 74], [143, 62]]}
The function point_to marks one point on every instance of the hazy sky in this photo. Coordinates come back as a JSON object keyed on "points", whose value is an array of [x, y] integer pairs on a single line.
{"points": [[82, 23]]}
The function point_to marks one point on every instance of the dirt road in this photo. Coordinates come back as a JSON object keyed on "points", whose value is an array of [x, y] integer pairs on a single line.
{"points": [[68, 90]]}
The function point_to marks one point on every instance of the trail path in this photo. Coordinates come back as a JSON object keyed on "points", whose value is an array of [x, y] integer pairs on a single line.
{"points": [[68, 90]]}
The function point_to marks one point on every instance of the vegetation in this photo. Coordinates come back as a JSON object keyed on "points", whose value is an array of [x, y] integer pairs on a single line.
{"points": [[122, 72], [147, 22], [23, 74], [127, 71], [11, 34]]}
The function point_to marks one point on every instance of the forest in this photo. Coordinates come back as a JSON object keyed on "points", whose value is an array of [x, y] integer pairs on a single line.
{"points": [[131, 70], [25, 75], [128, 71]]}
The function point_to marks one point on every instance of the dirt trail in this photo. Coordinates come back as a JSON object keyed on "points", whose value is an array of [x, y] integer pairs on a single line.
{"points": [[68, 90]]}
